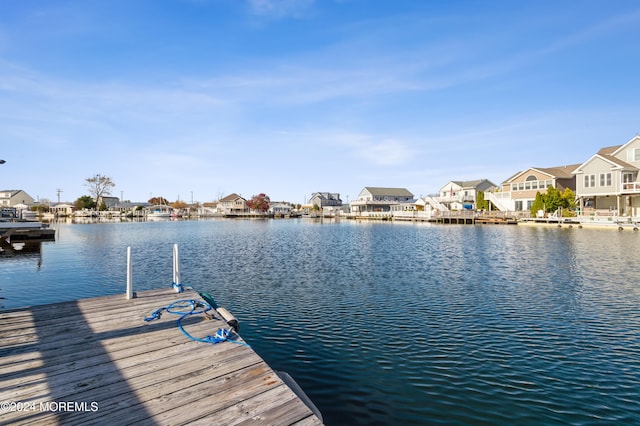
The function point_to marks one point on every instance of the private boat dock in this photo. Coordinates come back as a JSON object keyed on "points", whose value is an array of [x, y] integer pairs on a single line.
{"points": [[23, 230], [472, 218], [443, 218], [96, 361]]}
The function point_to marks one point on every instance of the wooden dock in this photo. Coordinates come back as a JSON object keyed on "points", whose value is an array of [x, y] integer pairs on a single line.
{"points": [[96, 361], [24, 231], [472, 218]]}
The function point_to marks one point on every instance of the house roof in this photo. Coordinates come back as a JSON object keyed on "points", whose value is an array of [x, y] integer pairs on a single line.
{"points": [[609, 150], [326, 195], [230, 197], [394, 192], [607, 154], [471, 183], [561, 172], [616, 162], [621, 147]]}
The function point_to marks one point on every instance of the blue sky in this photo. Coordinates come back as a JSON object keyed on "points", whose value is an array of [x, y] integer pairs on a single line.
{"points": [[289, 97]]}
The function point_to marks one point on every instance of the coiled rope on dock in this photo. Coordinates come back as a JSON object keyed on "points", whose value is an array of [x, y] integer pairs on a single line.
{"points": [[189, 307]]}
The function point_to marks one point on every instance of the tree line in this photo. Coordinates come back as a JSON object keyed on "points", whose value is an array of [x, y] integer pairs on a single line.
{"points": [[100, 186]]}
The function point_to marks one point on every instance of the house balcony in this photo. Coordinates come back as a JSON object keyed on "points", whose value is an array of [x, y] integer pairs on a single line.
{"points": [[457, 198], [631, 187]]}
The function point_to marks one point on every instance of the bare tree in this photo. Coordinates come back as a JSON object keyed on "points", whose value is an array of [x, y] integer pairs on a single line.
{"points": [[99, 186], [158, 201]]}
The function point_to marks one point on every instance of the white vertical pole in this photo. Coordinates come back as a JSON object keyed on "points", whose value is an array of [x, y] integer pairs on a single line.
{"points": [[129, 280], [176, 267]]}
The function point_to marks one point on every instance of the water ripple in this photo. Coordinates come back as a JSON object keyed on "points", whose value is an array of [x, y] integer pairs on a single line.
{"points": [[395, 323]]}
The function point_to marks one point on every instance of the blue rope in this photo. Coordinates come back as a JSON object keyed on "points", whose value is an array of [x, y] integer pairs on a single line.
{"points": [[194, 307], [180, 287]]}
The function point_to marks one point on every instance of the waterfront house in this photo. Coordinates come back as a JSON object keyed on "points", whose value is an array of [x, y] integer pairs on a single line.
{"points": [[519, 191], [11, 197], [280, 209], [232, 204], [62, 210], [459, 195], [609, 182], [325, 199], [208, 209], [109, 202], [375, 199]]}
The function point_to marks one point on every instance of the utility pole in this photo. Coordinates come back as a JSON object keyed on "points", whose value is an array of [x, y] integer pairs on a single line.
{"points": [[59, 191]]}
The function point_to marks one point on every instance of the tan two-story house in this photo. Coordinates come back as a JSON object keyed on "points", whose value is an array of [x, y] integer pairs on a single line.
{"points": [[232, 204], [609, 181], [522, 187]]}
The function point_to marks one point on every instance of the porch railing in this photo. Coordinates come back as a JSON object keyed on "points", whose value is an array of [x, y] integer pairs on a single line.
{"points": [[631, 186]]}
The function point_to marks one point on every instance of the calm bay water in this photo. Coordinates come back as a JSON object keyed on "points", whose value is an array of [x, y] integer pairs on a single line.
{"points": [[392, 323]]}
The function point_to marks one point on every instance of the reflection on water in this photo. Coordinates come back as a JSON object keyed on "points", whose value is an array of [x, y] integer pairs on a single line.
{"points": [[388, 323], [8, 249], [29, 250]]}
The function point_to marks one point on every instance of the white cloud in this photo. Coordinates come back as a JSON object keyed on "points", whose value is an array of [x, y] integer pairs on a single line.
{"points": [[374, 150], [387, 152]]}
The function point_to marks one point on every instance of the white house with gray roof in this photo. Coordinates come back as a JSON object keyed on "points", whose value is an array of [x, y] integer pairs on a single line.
{"points": [[459, 195], [376, 199], [325, 199]]}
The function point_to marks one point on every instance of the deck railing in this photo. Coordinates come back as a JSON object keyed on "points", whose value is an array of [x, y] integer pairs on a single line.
{"points": [[631, 186]]}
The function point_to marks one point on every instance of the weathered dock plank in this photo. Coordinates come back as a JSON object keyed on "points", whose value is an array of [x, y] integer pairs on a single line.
{"points": [[96, 361]]}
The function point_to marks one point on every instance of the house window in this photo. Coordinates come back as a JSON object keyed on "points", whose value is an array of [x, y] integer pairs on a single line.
{"points": [[589, 181], [627, 177], [605, 179], [636, 154], [627, 180], [531, 182], [519, 206]]}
